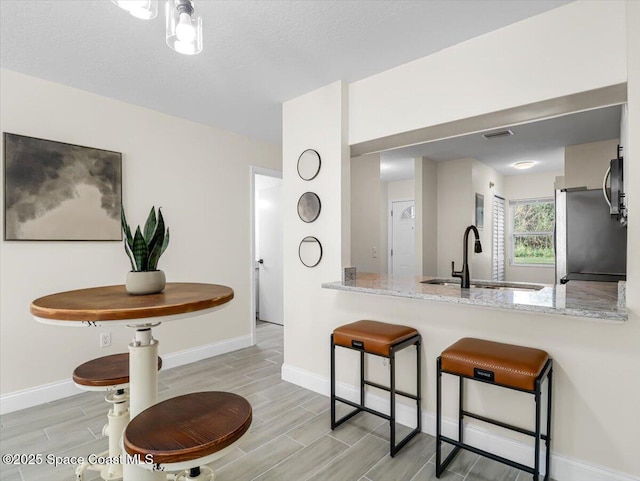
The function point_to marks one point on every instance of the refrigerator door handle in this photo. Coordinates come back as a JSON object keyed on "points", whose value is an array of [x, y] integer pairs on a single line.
{"points": [[604, 187]]}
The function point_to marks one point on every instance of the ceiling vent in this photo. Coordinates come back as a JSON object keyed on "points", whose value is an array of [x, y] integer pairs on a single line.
{"points": [[498, 133]]}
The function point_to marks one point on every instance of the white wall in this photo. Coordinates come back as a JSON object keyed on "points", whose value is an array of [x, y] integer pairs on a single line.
{"points": [[596, 363], [308, 307], [198, 174], [366, 189], [509, 67], [455, 212], [520, 187], [394, 191], [401, 190], [586, 164], [427, 215], [457, 182], [481, 177]]}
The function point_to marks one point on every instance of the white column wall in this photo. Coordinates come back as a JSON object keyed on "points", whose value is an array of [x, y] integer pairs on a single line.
{"points": [[308, 310], [366, 192]]}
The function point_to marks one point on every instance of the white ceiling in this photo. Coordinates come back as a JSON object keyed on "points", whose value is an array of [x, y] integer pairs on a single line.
{"points": [[256, 55], [542, 142]]}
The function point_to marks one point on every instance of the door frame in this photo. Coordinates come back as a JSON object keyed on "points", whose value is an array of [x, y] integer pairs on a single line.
{"points": [[255, 170], [390, 231]]}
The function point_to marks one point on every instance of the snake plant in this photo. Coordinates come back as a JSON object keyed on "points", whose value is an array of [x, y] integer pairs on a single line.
{"points": [[144, 249]]}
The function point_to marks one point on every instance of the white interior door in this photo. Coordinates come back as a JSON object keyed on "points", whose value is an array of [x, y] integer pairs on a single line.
{"points": [[403, 238], [269, 251]]}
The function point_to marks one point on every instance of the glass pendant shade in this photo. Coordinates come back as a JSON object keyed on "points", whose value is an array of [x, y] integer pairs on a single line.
{"points": [[184, 29], [145, 9]]}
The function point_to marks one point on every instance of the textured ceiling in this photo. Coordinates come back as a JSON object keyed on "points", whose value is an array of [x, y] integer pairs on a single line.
{"points": [[256, 55]]}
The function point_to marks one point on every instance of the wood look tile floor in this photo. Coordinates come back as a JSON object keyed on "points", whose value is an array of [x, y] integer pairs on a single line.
{"points": [[290, 438]]}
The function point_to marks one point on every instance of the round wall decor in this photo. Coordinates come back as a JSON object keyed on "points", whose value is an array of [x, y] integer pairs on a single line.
{"points": [[310, 251], [309, 207], [309, 164]]}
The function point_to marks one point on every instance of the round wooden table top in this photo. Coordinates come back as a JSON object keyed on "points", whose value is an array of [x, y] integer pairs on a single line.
{"points": [[113, 303]]}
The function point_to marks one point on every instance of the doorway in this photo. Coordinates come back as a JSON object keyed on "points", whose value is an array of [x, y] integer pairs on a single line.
{"points": [[266, 246], [402, 238]]}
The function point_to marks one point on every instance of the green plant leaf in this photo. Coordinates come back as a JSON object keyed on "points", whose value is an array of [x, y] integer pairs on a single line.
{"points": [[150, 226], [130, 255], [158, 250], [125, 228], [140, 251], [165, 243], [158, 235], [154, 256]]}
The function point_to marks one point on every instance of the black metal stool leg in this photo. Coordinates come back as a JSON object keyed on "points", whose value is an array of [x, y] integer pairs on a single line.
{"points": [[392, 399], [418, 384], [333, 383], [460, 409], [536, 466], [362, 369], [547, 474], [438, 419]]}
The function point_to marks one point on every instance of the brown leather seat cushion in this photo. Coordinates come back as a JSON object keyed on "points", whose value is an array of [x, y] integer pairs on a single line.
{"points": [[377, 337], [511, 365], [105, 371], [188, 427]]}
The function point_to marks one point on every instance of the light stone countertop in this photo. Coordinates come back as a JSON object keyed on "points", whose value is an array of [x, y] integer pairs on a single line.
{"points": [[596, 300]]}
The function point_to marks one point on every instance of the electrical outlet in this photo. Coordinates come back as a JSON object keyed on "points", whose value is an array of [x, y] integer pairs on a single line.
{"points": [[105, 339], [374, 252], [385, 362]]}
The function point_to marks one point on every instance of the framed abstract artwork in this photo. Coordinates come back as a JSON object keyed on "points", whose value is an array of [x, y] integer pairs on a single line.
{"points": [[59, 191]]}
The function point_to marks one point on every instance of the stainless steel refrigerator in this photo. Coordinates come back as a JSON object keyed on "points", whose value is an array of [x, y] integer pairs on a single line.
{"points": [[591, 244]]}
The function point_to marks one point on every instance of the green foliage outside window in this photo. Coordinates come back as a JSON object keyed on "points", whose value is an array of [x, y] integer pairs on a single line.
{"points": [[533, 232]]}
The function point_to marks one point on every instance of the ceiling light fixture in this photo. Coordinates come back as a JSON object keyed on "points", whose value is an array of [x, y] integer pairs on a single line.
{"points": [[145, 9], [184, 30], [523, 165]]}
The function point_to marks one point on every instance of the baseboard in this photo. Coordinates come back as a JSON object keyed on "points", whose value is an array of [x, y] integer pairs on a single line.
{"points": [[563, 468], [15, 401], [194, 354], [45, 393]]}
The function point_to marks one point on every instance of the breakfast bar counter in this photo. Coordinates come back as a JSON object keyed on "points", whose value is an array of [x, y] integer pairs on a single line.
{"points": [[596, 300]]}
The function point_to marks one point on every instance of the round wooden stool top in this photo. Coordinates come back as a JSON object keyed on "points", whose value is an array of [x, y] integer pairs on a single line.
{"points": [[372, 336], [105, 371], [188, 427]]}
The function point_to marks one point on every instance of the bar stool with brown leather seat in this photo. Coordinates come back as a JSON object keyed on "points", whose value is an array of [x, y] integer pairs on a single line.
{"points": [[108, 373], [384, 340], [187, 432], [506, 365]]}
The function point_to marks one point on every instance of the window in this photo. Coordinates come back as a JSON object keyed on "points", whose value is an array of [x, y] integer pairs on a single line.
{"points": [[532, 224], [497, 273]]}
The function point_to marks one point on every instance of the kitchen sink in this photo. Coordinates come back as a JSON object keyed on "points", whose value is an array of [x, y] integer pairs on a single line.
{"points": [[511, 286]]}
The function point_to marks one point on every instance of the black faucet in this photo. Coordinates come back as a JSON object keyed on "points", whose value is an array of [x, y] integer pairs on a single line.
{"points": [[464, 273]]}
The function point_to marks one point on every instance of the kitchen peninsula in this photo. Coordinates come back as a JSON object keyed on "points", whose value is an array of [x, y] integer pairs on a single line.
{"points": [[596, 300]]}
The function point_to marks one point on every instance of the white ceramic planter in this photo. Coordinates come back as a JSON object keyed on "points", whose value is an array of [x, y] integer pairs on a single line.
{"points": [[151, 282]]}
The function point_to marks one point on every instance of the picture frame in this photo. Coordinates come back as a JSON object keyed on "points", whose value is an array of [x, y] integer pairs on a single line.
{"points": [[55, 191], [479, 211]]}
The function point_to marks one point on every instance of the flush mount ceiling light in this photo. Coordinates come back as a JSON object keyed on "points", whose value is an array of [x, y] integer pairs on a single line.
{"points": [[145, 9], [523, 165], [184, 29]]}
